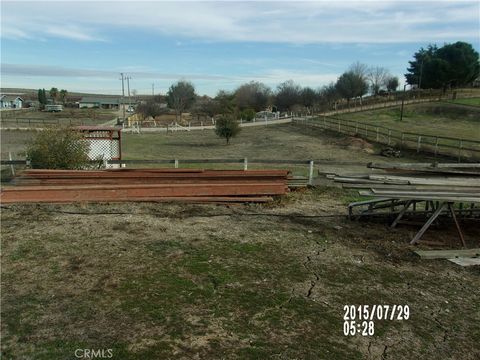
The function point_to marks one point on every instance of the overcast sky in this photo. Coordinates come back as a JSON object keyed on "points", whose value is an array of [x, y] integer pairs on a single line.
{"points": [[84, 45]]}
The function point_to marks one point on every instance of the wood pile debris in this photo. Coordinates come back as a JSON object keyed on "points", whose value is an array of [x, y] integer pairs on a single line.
{"points": [[419, 190], [159, 185]]}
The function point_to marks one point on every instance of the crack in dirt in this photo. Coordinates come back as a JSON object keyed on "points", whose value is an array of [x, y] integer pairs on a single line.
{"points": [[384, 353], [313, 283], [445, 330]]}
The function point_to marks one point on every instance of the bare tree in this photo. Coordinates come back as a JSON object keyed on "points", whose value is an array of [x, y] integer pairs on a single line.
{"points": [[253, 95], [309, 97], [288, 94], [377, 76], [359, 69], [180, 96], [329, 95], [359, 81]]}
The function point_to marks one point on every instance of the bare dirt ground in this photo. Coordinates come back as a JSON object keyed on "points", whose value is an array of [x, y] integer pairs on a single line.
{"points": [[176, 281]]}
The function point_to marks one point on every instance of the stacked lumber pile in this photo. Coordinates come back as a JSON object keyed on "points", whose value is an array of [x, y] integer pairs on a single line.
{"points": [[449, 182], [162, 185]]}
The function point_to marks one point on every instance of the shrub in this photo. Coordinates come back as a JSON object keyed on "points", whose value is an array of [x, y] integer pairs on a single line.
{"points": [[58, 148], [247, 114], [227, 127]]}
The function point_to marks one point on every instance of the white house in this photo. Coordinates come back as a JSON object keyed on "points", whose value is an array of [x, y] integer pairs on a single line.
{"points": [[10, 102]]}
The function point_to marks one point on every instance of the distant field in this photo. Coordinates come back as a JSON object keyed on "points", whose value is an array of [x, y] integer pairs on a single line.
{"points": [[273, 142], [438, 119]]}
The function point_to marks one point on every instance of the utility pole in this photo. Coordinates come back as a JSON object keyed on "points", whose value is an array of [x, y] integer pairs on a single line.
{"points": [[153, 89], [128, 91], [123, 95], [403, 99]]}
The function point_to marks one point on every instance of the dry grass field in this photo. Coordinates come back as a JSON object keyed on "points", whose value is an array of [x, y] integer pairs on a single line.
{"points": [[169, 281], [183, 281]]}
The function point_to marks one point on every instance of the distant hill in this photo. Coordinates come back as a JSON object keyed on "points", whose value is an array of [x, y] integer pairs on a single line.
{"points": [[21, 91], [31, 94]]}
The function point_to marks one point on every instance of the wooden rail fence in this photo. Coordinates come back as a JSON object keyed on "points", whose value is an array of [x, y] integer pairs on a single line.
{"points": [[438, 145]]}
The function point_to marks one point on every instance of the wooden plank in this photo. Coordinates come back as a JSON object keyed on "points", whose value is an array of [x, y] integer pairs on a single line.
{"points": [[429, 222], [449, 198], [466, 261], [112, 192], [448, 254], [423, 165], [422, 192], [456, 181], [368, 181], [427, 168], [414, 187]]}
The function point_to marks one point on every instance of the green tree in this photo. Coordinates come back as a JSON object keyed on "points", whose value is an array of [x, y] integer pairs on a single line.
{"points": [[225, 102], [227, 127], [247, 114], [53, 93], [392, 83], [150, 108], [351, 85], [181, 96], [63, 95], [452, 65], [58, 148], [42, 97]]}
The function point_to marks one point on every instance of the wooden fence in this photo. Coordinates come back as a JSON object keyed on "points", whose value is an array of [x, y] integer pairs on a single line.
{"points": [[34, 123], [438, 145]]}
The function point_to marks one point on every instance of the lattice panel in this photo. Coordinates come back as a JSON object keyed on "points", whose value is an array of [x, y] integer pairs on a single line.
{"points": [[103, 149]]}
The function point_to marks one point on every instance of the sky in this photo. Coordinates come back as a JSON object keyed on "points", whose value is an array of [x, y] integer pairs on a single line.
{"points": [[85, 45]]}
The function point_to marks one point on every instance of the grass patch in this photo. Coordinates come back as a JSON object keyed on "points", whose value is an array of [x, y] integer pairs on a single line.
{"points": [[467, 101], [440, 119]]}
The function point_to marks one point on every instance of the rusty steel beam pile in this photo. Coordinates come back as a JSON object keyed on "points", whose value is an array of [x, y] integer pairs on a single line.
{"points": [[162, 185]]}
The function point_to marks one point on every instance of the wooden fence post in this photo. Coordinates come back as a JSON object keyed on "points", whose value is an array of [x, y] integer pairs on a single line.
{"points": [[310, 173], [12, 168], [389, 136], [419, 141], [356, 127], [338, 125], [460, 145], [436, 146], [377, 134]]}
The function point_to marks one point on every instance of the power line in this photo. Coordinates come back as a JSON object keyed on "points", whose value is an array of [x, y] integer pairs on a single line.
{"points": [[128, 87], [123, 95]]}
